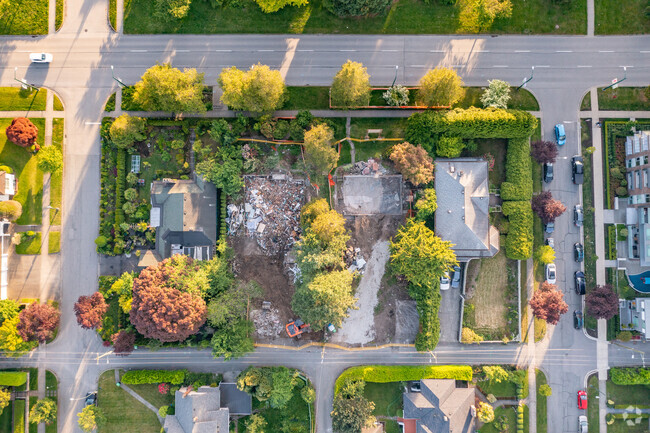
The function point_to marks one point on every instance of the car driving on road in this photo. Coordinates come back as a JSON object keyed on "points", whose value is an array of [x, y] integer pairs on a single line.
{"points": [[578, 169], [579, 280], [560, 136], [40, 57], [551, 273]]}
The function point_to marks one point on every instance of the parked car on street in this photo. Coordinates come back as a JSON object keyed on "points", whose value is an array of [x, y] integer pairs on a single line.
{"points": [[548, 172], [582, 400], [550, 242], [578, 215], [445, 282], [551, 273], [40, 57], [578, 252], [577, 319], [579, 280], [549, 227], [455, 278], [560, 136], [577, 169], [91, 398], [583, 425]]}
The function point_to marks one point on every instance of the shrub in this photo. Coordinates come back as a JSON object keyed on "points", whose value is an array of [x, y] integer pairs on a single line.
{"points": [[12, 378], [6, 169], [403, 373], [469, 336], [519, 241], [624, 336], [136, 377], [519, 183], [449, 147], [413, 162], [630, 376], [355, 8], [22, 132], [621, 191], [101, 241], [396, 96], [11, 210], [163, 411]]}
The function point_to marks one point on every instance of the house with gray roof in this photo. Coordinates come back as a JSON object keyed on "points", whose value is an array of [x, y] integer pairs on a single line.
{"points": [[463, 210], [202, 411], [439, 407], [185, 214]]}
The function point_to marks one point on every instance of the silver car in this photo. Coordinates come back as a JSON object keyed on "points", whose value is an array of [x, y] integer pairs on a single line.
{"points": [[583, 425]]}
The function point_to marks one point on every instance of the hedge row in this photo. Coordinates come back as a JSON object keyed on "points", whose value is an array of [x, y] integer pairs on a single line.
{"points": [[519, 240], [402, 373], [137, 377], [630, 376], [519, 179], [12, 378], [428, 304], [120, 186], [424, 128]]}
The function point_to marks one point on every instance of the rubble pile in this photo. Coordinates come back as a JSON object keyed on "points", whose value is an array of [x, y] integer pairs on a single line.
{"points": [[270, 213], [354, 261], [368, 168], [267, 322]]}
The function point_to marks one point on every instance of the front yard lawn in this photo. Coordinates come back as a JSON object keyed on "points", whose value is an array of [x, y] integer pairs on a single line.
{"points": [[509, 414], [387, 398], [17, 99], [614, 17], [307, 98], [123, 412], [5, 418], [30, 245], [520, 99], [504, 389], [624, 98], [56, 180], [592, 403], [54, 245], [628, 394], [404, 17], [27, 17], [542, 409]]}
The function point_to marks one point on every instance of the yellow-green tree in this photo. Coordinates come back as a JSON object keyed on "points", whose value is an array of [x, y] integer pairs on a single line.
{"points": [[351, 86], [421, 256], [478, 15], [426, 204], [313, 209], [90, 418], [11, 344], [318, 148], [485, 412], [270, 6], [164, 88], [469, 336], [43, 411], [545, 254], [126, 130], [440, 87], [5, 397], [328, 225], [258, 90]]}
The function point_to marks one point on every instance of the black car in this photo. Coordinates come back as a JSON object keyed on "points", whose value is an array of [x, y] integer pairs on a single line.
{"points": [[577, 319], [578, 169], [91, 398], [578, 252], [416, 386], [579, 279], [548, 172]]}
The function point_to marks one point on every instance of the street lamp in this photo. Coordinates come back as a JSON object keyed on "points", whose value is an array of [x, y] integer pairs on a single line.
{"points": [[117, 79], [50, 207], [23, 83], [526, 80], [616, 81], [395, 79]]}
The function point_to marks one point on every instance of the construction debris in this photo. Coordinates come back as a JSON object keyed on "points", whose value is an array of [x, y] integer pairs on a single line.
{"points": [[354, 261], [267, 322], [270, 213], [372, 167]]}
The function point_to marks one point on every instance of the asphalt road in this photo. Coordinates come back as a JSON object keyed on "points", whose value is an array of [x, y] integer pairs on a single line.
{"points": [[84, 49]]}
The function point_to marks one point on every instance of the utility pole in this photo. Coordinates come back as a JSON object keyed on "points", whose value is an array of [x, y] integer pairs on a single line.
{"points": [[526, 80]]}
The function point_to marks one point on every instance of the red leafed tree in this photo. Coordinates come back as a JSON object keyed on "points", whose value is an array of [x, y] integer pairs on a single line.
{"points": [[90, 310], [37, 322], [602, 302], [123, 342], [160, 308], [548, 303], [543, 151], [547, 207], [22, 132]]}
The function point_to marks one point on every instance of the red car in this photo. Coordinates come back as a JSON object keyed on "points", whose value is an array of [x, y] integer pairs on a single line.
{"points": [[582, 400]]}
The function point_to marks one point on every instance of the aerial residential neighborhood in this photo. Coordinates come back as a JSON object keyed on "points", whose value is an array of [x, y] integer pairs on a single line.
{"points": [[324, 216]]}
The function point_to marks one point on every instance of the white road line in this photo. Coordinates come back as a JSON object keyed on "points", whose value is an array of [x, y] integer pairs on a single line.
{"points": [[564, 51], [437, 51], [644, 51], [93, 123], [265, 51], [417, 66], [182, 51], [389, 51], [223, 51], [348, 50], [138, 51], [626, 66], [304, 50], [457, 66], [605, 51], [584, 66], [522, 51], [499, 66], [542, 66]]}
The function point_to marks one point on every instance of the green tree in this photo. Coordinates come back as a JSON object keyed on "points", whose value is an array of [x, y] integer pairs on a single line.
{"points": [[43, 411], [326, 299], [426, 204], [545, 390], [495, 374], [449, 147], [496, 95], [351, 410], [478, 15], [313, 256], [164, 88], [351, 86], [234, 340], [8, 309], [485, 412], [258, 90], [224, 169], [231, 305], [318, 148], [440, 87], [308, 394], [419, 255], [256, 424], [284, 381], [270, 6], [50, 159], [545, 254], [90, 418], [311, 210], [126, 130], [356, 8], [166, 10], [5, 397]]}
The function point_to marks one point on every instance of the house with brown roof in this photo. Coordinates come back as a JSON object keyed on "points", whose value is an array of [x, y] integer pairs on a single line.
{"points": [[439, 407]]}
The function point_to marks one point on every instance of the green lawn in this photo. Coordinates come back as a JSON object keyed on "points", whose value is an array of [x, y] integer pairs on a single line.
{"points": [[19, 416], [624, 98], [58, 105], [392, 127], [58, 20], [30, 245], [510, 414], [622, 426], [25, 17], [307, 98], [50, 380], [519, 99], [112, 12], [150, 393], [56, 180], [621, 17], [54, 245], [17, 99], [542, 410], [123, 412], [386, 396], [33, 428], [404, 17], [5, 418], [29, 178], [295, 414], [628, 394], [585, 105], [504, 389], [592, 403]]}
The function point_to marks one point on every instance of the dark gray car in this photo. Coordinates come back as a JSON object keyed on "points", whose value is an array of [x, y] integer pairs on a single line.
{"points": [[455, 279]]}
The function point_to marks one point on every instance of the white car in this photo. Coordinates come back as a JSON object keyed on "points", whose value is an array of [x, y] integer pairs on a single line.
{"points": [[445, 282], [551, 273], [40, 57], [583, 425]]}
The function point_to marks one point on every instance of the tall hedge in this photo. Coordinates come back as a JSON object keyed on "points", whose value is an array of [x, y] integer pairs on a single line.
{"points": [[519, 182], [403, 373], [12, 378], [519, 241], [630, 376], [425, 128], [428, 304], [137, 377]]}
